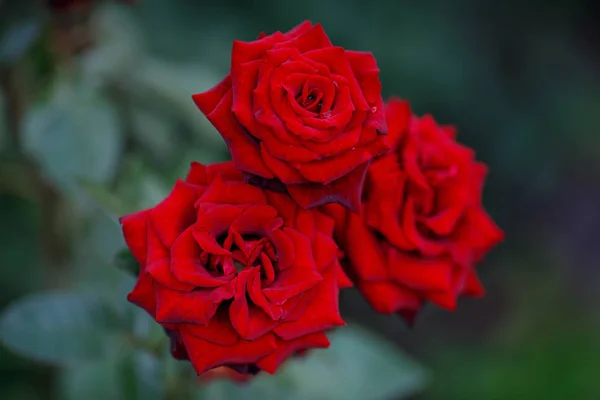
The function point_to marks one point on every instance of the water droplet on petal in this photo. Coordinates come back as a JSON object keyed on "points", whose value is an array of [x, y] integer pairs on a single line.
{"points": [[373, 110], [327, 114], [335, 84]]}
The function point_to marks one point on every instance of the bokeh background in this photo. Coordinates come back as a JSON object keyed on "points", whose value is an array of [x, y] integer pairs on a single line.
{"points": [[96, 120]]}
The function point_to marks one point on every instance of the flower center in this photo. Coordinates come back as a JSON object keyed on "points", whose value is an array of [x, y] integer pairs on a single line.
{"points": [[311, 99], [247, 251]]}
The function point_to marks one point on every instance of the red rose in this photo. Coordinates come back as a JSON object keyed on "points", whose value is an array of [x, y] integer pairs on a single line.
{"points": [[423, 226], [237, 275], [301, 114]]}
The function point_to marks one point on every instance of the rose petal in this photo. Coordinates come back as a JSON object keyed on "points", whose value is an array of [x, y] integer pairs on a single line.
{"points": [[176, 212], [197, 306], [282, 170], [287, 348], [200, 174], [303, 257], [284, 249], [322, 314], [346, 191], [314, 38], [228, 192], [255, 291], [243, 148], [186, 265], [343, 280], [134, 231], [398, 117], [257, 220], [157, 263], [387, 298], [305, 223], [218, 330], [290, 283], [324, 249], [215, 219], [209, 100], [208, 243], [364, 252], [248, 320], [205, 355], [286, 207], [143, 294], [420, 274], [473, 286]]}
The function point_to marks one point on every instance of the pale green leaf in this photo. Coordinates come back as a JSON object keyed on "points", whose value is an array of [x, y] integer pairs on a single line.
{"points": [[18, 39], [358, 365], [96, 380], [58, 327], [75, 136]]}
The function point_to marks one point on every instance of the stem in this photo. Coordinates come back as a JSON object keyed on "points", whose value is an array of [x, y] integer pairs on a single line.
{"points": [[45, 195]]}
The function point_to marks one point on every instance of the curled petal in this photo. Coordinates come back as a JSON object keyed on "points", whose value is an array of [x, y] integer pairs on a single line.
{"points": [[186, 263], [346, 191], [216, 219], [290, 283], [196, 307], [143, 294], [287, 348], [209, 100], [248, 320], [134, 231], [203, 175], [175, 213], [322, 314], [205, 355], [387, 298], [420, 273], [218, 330], [229, 192]]}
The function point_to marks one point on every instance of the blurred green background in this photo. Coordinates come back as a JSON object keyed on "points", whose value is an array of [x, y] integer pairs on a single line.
{"points": [[96, 120]]}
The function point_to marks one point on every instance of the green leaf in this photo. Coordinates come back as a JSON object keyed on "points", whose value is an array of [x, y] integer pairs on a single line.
{"points": [[97, 380], [146, 378], [76, 136], [93, 256], [369, 367], [154, 132], [358, 365], [172, 84], [117, 51], [125, 261], [134, 375], [17, 40], [110, 204], [58, 327], [19, 229]]}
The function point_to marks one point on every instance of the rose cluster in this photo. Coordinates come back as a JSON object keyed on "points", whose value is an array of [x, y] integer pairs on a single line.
{"points": [[242, 263]]}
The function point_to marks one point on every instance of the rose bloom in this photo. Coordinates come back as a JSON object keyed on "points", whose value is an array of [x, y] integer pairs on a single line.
{"points": [[238, 276], [300, 115], [422, 228]]}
